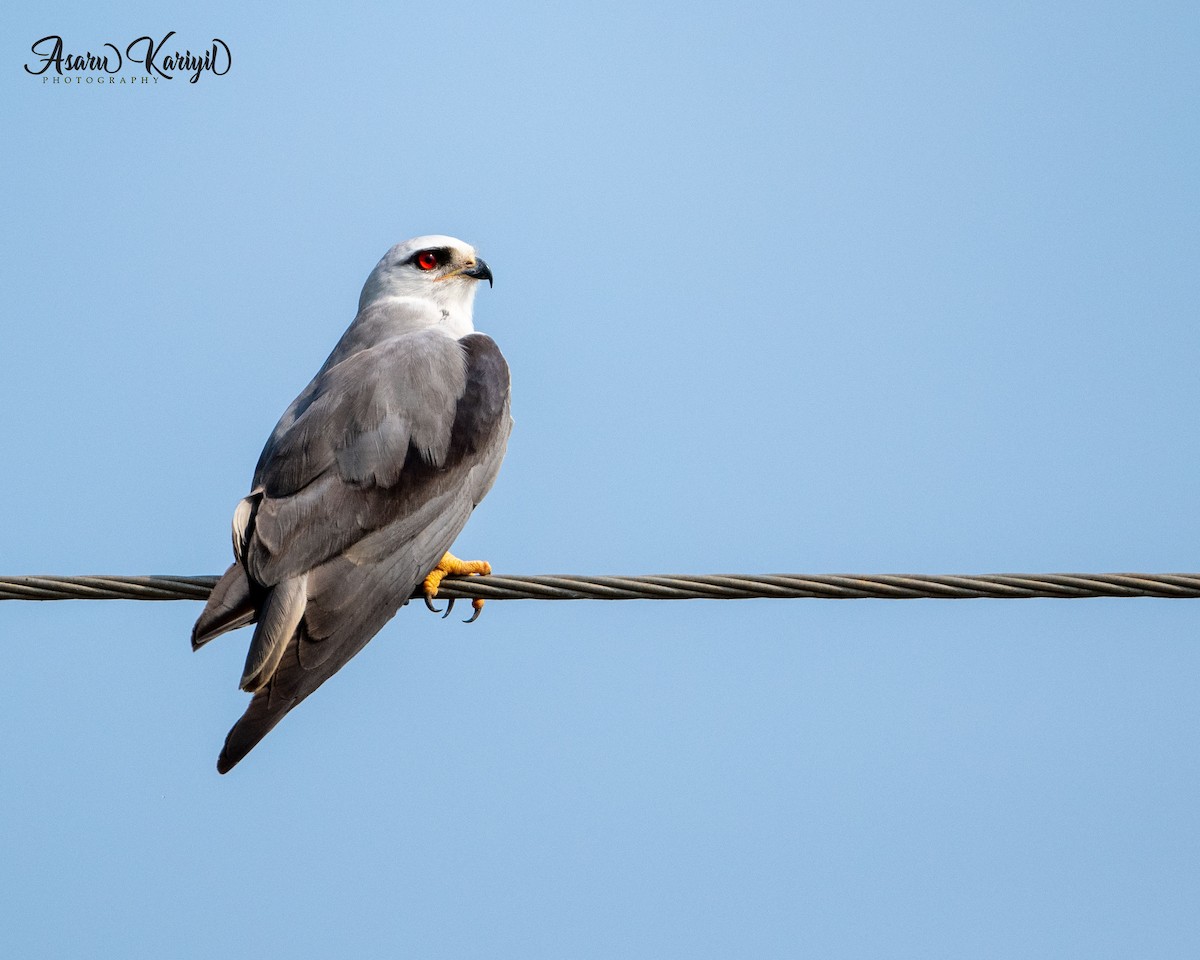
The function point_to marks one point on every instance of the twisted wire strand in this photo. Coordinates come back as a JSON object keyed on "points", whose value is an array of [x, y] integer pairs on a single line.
{"points": [[711, 587]]}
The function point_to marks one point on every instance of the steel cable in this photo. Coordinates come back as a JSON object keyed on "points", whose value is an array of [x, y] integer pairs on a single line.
{"points": [[710, 587]]}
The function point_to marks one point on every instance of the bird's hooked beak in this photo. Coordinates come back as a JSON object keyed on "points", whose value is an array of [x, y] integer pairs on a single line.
{"points": [[479, 270]]}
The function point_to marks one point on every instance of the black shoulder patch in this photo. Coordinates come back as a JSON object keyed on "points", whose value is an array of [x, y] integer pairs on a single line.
{"points": [[484, 403]]}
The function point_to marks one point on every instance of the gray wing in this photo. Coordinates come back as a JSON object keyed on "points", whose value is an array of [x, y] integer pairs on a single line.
{"points": [[362, 487]]}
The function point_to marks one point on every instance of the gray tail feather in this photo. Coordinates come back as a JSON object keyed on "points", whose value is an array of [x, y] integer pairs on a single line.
{"points": [[289, 684], [299, 671], [230, 605], [258, 720]]}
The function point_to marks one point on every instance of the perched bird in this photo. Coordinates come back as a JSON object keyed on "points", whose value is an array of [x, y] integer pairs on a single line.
{"points": [[365, 482]]}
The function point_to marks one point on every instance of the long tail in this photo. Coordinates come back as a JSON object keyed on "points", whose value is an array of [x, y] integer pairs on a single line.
{"points": [[307, 631]]}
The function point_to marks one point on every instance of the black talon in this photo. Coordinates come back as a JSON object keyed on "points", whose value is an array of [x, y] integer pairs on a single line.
{"points": [[429, 605], [449, 607], [475, 615]]}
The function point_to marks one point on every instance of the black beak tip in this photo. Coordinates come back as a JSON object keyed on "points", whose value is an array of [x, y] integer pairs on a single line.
{"points": [[481, 271]]}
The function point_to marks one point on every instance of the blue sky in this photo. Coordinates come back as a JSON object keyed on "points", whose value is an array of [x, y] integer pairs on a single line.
{"points": [[816, 288]]}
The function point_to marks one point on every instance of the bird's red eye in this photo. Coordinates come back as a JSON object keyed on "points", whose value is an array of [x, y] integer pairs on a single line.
{"points": [[427, 260]]}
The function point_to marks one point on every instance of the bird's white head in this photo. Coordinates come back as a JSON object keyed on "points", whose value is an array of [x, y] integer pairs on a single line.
{"points": [[434, 268]]}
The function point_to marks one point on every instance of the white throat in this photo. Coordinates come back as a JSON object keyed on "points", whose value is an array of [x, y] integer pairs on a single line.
{"points": [[448, 304]]}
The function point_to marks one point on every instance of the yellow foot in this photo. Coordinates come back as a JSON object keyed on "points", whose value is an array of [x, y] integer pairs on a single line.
{"points": [[450, 564]]}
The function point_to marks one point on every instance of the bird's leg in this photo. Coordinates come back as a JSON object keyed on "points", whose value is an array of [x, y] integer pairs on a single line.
{"points": [[450, 564]]}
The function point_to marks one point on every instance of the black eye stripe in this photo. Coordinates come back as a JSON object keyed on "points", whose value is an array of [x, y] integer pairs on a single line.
{"points": [[441, 254]]}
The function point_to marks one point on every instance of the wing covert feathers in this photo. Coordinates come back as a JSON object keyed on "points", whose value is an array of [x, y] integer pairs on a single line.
{"points": [[277, 620]]}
